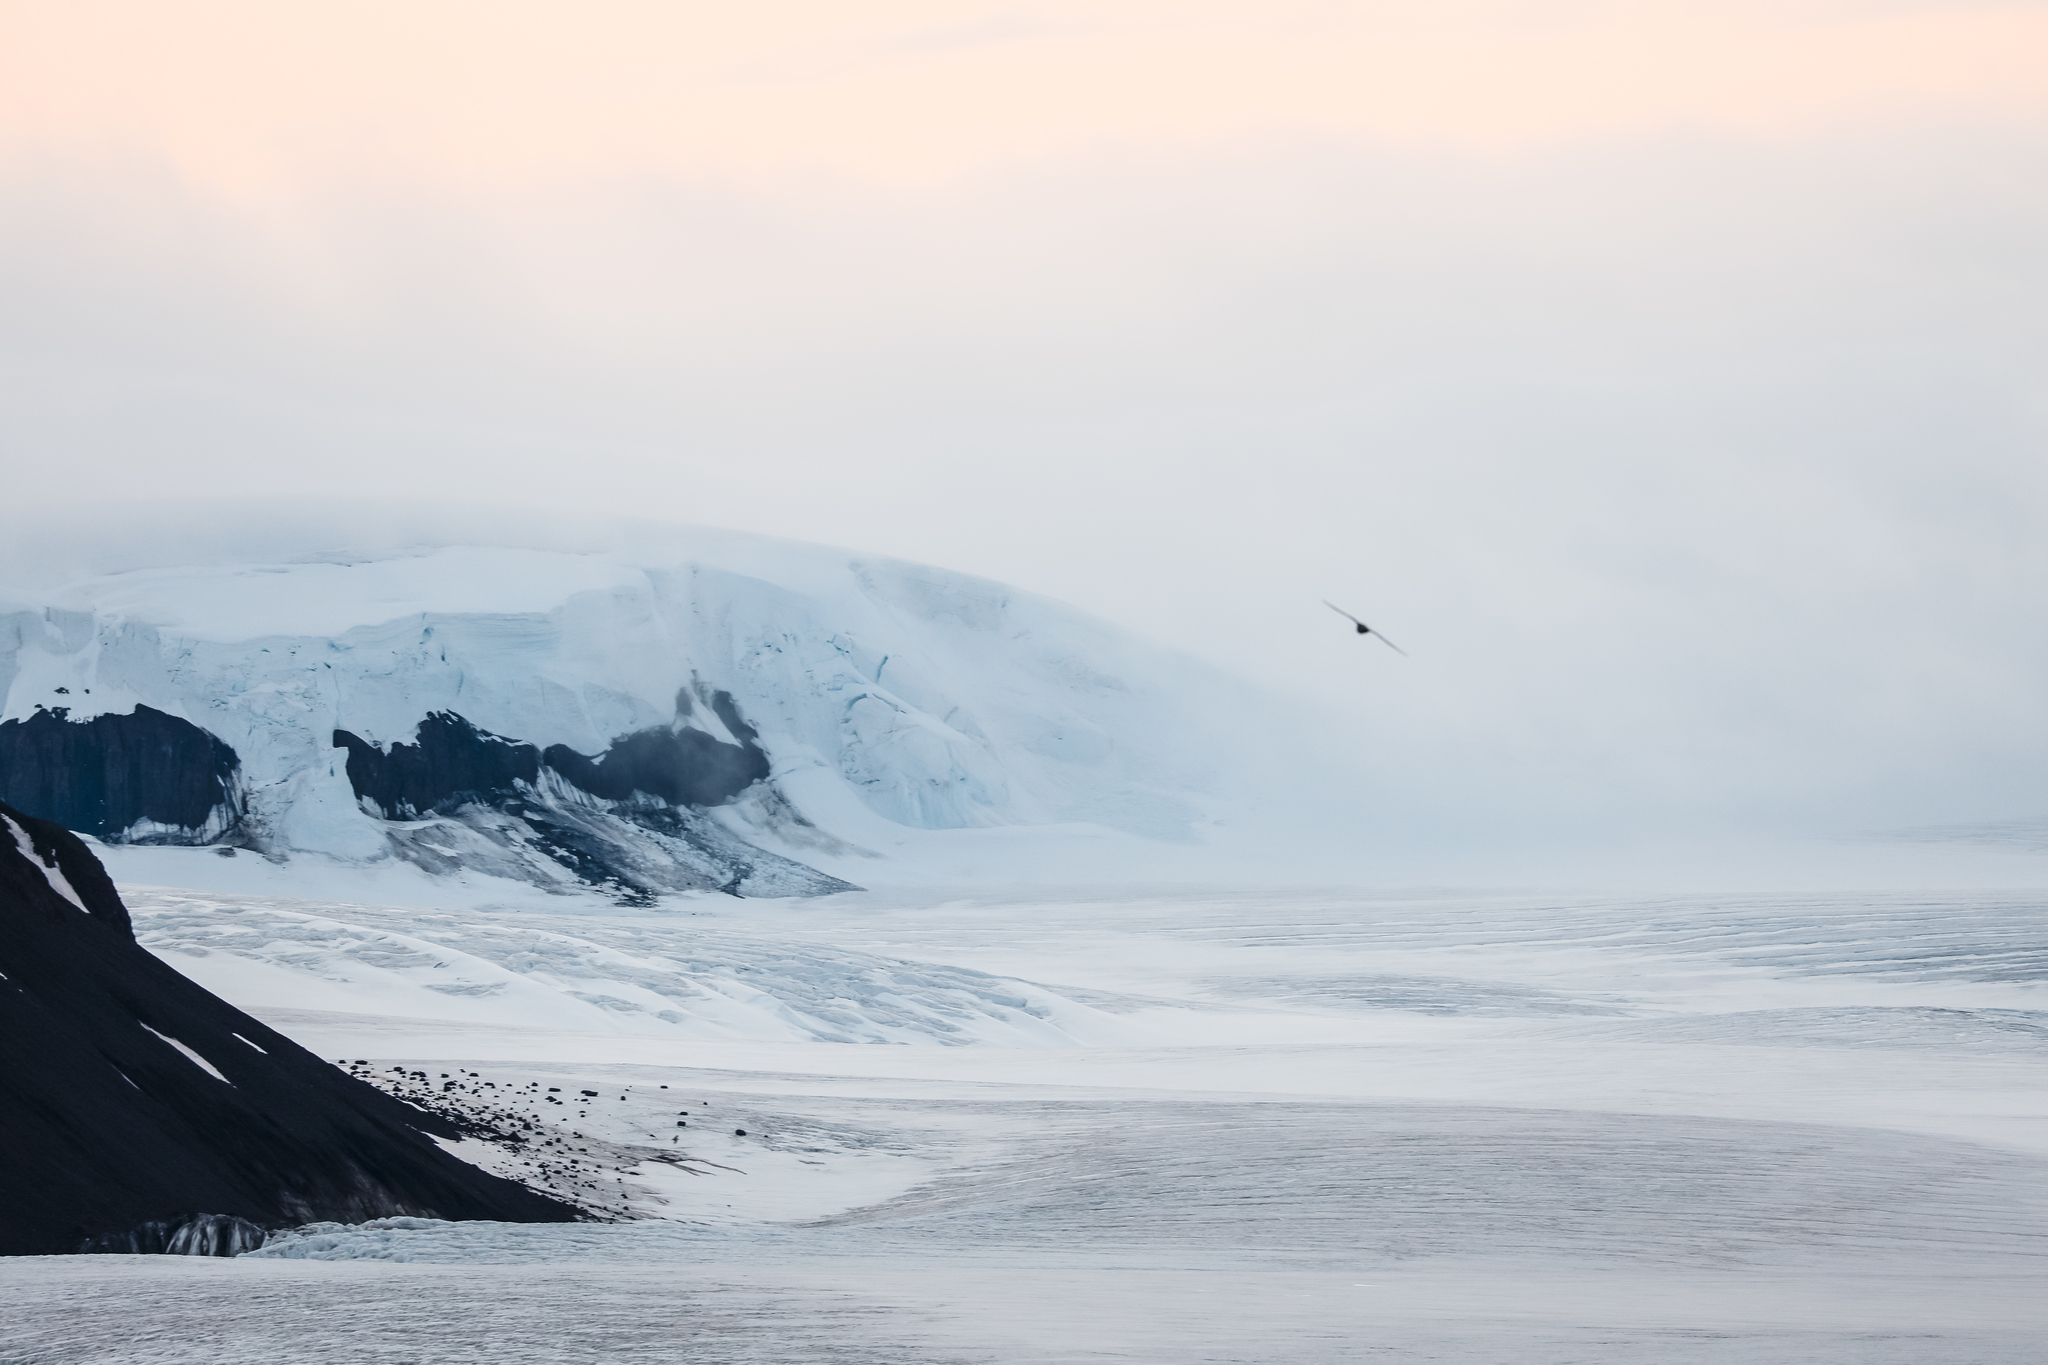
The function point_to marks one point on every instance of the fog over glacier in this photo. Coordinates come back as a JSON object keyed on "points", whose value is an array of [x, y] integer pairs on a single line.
{"points": [[732, 602], [1701, 479]]}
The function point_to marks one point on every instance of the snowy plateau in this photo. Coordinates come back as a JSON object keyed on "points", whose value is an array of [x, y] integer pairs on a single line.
{"points": [[523, 712], [948, 1035]]}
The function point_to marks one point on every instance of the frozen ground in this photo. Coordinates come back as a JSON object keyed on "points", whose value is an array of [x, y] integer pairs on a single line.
{"points": [[1164, 1127]]}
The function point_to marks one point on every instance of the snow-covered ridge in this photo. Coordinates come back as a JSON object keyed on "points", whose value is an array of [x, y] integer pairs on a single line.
{"points": [[883, 695]]}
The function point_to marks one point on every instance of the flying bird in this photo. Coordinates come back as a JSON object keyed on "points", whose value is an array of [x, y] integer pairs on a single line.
{"points": [[1364, 629]]}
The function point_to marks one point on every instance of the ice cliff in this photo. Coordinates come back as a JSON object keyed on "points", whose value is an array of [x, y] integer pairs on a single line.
{"points": [[640, 709]]}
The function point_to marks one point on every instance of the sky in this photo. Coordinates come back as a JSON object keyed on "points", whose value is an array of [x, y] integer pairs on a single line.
{"points": [[1666, 379]]}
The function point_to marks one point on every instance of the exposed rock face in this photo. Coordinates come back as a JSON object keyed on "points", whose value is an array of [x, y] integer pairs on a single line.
{"points": [[681, 767], [146, 778], [142, 1110], [629, 820], [449, 764], [684, 767], [452, 763]]}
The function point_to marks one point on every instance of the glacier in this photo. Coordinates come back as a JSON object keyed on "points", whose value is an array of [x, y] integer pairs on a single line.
{"points": [[681, 709], [1069, 1080], [1220, 1126]]}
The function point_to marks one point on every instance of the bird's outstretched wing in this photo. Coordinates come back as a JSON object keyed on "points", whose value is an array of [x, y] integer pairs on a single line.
{"points": [[1363, 628]]}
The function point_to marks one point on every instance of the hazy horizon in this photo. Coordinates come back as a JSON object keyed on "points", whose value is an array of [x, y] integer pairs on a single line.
{"points": [[1666, 383]]}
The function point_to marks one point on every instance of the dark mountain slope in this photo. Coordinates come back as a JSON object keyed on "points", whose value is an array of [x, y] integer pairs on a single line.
{"points": [[110, 1125]]}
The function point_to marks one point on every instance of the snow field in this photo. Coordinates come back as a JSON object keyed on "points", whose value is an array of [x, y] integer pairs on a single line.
{"points": [[1261, 1126], [847, 1313], [673, 975]]}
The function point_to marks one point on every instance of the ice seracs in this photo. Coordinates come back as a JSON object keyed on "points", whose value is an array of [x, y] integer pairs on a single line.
{"points": [[646, 710]]}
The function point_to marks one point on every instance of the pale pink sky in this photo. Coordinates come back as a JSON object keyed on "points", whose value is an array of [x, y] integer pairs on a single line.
{"points": [[257, 95]]}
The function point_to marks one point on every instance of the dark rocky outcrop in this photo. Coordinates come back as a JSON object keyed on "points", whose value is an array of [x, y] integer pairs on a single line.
{"points": [[452, 763], [627, 821], [706, 773], [104, 775], [116, 1135], [449, 763], [681, 767]]}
